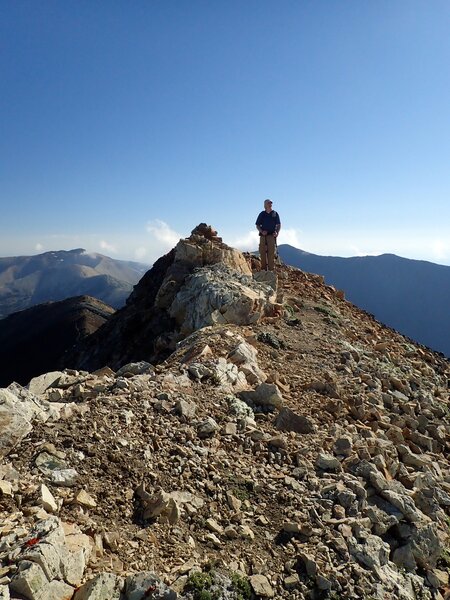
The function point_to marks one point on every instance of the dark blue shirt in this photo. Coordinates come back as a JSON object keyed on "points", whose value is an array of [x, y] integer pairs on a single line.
{"points": [[268, 221]]}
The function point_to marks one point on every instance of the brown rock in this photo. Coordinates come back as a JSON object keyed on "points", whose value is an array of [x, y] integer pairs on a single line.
{"points": [[288, 420]]}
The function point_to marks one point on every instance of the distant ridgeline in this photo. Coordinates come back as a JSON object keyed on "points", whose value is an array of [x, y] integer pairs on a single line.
{"points": [[412, 296]]}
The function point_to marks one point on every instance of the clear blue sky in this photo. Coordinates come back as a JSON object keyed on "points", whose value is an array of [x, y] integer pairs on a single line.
{"points": [[125, 124]]}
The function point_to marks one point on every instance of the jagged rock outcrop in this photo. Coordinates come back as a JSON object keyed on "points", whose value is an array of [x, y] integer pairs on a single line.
{"points": [[200, 282], [217, 295], [305, 455]]}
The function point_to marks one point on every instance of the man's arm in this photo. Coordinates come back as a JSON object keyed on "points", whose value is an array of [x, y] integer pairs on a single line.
{"points": [[259, 226], [277, 226]]}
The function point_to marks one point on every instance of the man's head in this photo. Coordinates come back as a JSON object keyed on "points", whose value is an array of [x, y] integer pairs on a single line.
{"points": [[268, 205]]}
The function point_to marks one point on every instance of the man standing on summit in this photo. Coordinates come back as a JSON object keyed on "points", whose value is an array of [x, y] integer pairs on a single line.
{"points": [[268, 224]]}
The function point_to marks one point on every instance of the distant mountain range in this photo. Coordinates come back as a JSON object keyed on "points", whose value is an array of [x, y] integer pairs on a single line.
{"points": [[412, 296], [29, 280]]}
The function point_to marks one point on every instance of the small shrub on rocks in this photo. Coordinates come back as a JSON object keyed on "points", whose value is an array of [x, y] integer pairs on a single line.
{"points": [[324, 310], [241, 586], [271, 340], [212, 585], [200, 584]]}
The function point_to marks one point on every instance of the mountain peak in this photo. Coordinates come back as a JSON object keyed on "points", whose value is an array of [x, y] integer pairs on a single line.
{"points": [[77, 251], [55, 275]]}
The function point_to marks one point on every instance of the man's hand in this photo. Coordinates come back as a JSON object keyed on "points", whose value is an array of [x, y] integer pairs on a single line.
{"points": [[263, 232], [275, 234]]}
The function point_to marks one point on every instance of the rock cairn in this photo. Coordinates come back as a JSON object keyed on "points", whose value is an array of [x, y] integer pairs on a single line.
{"points": [[288, 447]]}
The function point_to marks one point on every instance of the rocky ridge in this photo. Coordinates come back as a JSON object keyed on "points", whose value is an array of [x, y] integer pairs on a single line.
{"points": [[289, 446], [200, 282]]}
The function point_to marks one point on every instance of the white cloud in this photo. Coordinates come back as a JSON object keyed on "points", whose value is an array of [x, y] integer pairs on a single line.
{"points": [[290, 236], [104, 245], [247, 241], [250, 240], [140, 252], [440, 249], [39, 247], [163, 234]]}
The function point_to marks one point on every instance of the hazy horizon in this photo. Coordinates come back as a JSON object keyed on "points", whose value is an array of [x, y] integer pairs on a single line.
{"points": [[169, 238]]}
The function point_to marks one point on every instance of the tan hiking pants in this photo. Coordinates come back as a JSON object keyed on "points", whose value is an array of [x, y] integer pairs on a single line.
{"points": [[267, 252]]}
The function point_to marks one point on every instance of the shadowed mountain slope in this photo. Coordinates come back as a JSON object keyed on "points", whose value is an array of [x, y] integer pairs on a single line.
{"points": [[411, 296], [32, 341], [29, 280], [130, 333]]}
